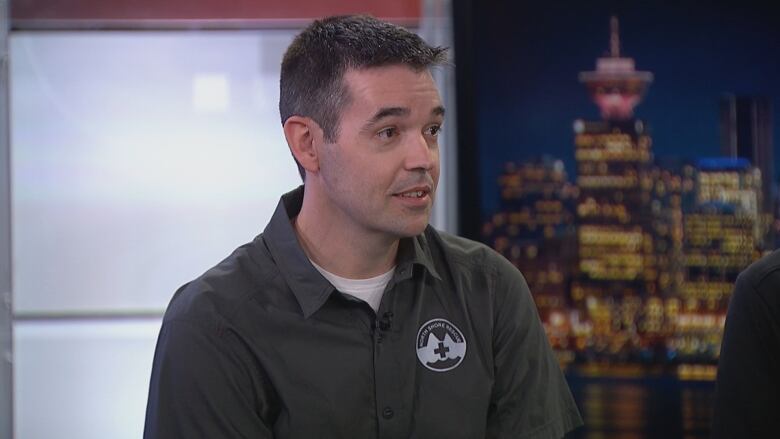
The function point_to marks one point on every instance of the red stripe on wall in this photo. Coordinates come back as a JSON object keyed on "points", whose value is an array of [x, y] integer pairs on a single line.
{"points": [[228, 10]]}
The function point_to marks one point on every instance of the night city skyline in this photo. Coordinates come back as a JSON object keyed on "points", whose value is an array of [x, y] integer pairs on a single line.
{"points": [[527, 58], [527, 106], [631, 259]]}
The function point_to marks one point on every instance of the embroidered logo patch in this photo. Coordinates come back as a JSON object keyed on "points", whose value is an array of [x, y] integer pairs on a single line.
{"points": [[440, 345]]}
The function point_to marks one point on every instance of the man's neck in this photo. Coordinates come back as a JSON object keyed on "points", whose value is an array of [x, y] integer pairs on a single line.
{"points": [[342, 250]]}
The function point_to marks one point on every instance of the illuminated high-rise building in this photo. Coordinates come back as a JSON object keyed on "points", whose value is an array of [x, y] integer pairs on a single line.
{"points": [[534, 229], [722, 234], [617, 267], [746, 132]]}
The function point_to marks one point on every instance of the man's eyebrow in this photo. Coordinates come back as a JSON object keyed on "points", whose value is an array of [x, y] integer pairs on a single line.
{"points": [[399, 111], [388, 112]]}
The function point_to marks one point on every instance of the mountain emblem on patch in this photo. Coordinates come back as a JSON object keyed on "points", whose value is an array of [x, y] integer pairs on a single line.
{"points": [[440, 345]]}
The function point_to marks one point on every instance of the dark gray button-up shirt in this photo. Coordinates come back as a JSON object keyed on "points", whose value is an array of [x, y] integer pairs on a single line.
{"points": [[263, 346]]}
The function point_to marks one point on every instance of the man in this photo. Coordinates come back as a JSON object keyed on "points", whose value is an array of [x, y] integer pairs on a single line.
{"points": [[748, 386], [349, 316]]}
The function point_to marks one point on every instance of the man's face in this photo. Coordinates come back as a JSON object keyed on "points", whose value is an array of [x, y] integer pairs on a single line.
{"points": [[381, 173]]}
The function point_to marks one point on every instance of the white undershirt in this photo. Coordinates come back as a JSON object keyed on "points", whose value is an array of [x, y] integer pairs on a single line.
{"points": [[368, 290]]}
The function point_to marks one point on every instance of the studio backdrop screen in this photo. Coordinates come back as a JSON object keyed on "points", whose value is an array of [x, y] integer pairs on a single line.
{"points": [[624, 157]]}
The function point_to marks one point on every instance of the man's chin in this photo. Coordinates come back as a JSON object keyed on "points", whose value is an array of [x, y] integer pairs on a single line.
{"points": [[414, 229]]}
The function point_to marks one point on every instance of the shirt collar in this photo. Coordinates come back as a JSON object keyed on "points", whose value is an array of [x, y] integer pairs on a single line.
{"points": [[414, 251], [310, 288]]}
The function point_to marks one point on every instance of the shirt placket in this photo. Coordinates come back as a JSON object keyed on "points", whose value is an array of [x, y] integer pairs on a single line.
{"points": [[389, 405]]}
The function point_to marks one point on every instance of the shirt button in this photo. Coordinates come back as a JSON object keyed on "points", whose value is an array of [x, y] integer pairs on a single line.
{"points": [[387, 413]]}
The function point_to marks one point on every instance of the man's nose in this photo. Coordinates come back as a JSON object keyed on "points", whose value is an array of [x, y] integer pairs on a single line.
{"points": [[421, 153]]}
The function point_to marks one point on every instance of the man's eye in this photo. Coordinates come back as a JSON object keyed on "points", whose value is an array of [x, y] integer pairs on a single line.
{"points": [[433, 130], [387, 133]]}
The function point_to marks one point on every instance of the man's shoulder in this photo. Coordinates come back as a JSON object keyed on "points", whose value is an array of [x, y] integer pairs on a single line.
{"points": [[224, 289], [467, 252]]}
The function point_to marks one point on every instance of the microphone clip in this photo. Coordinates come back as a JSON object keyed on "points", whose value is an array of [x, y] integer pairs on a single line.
{"points": [[386, 322]]}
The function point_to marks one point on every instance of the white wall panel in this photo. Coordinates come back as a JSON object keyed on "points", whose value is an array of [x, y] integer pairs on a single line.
{"points": [[138, 161], [82, 380]]}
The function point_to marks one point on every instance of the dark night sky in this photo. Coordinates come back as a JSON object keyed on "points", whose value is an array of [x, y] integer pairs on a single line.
{"points": [[528, 56]]}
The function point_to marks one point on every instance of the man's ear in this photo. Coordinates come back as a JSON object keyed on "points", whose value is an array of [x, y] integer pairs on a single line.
{"points": [[303, 134]]}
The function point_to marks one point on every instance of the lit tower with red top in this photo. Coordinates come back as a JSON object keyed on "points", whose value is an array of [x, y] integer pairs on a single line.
{"points": [[618, 263], [616, 86]]}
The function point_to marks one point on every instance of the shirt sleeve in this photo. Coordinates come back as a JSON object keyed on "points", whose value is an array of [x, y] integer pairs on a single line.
{"points": [[205, 384], [748, 383], [531, 399]]}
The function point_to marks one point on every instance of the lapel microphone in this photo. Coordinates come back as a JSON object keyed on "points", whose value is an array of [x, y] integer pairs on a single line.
{"points": [[386, 321]]}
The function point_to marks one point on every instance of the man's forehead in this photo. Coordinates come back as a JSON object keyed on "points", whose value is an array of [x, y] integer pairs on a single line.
{"points": [[382, 85]]}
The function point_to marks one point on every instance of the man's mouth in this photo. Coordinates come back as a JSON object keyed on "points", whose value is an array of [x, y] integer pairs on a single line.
{"points": [[412, 194]]}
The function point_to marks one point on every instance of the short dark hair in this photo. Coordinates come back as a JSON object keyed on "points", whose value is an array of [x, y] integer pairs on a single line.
{"points": [[311, 82]]}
